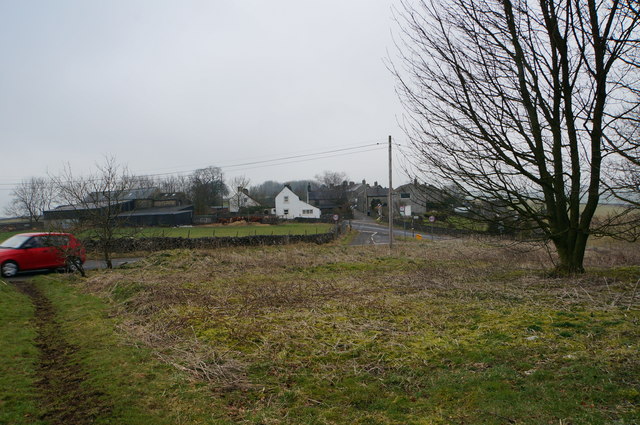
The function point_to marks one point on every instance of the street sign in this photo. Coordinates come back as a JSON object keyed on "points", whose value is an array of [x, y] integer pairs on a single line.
{"points": [[336, 217], [432, 219]]}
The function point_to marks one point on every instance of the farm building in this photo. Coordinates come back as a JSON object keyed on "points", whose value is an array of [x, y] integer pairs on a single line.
{"points": [[138, 207]]}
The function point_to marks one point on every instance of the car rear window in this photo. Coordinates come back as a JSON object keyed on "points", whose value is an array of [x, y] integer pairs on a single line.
{"points": [[56, 240]]}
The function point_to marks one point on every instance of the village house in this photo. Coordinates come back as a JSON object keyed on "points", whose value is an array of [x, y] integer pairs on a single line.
{"points": [[241, 199], [330, 200], [366, 197], [417, 198], [289, 206]]}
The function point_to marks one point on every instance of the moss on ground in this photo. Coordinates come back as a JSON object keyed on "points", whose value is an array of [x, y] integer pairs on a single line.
{"points": [[435, 333]]}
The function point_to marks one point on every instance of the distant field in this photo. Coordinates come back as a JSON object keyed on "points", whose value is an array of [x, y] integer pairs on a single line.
{"points": [[6, 235], [604, 210], [239, 230], [220, 231]]}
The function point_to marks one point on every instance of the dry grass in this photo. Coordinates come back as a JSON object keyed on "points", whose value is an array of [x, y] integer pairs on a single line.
{"points": [[295, 327]]}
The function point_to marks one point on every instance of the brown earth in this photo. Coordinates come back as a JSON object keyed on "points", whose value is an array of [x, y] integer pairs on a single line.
{"points": [[65, 397]]}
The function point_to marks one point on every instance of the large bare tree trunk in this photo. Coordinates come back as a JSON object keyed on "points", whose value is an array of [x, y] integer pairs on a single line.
{"points": [[514, 103]]}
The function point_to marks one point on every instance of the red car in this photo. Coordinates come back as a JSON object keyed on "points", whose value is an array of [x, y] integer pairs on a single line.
{"points": [[35, 251]]}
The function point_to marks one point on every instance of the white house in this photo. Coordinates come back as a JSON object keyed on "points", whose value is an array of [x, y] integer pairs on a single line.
{"points": [[289, 206], [241, 199]]}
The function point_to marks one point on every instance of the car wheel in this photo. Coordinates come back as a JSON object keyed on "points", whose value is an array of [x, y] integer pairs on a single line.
{"points": [[74, 265], [9, 269]]}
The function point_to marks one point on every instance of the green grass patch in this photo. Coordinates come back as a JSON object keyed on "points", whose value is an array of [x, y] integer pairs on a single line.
{"points": [[18, 358], [232, 231], [6, 235], [140, 389]]}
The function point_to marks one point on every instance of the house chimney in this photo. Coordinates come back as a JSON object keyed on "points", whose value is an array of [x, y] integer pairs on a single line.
{"points": [[308, 190], [245, 191]]}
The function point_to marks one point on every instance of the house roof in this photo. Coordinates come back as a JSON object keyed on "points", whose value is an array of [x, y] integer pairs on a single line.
{"points": [[126, 195], [326, 194], [158, 211], [377, 192], [423, 192], [245, 195], [88, 206]]}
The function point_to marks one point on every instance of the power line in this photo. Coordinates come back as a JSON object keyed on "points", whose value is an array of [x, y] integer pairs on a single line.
{"points": [[267, 161], [291, 159], [313, 159]]}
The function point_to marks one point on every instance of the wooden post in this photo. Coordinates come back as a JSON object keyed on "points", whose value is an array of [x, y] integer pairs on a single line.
{"points": [[390, 199]]}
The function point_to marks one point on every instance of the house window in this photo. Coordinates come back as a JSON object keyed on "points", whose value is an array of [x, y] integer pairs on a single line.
{"points": [[286, 199], [307, 212], [286, 212]]}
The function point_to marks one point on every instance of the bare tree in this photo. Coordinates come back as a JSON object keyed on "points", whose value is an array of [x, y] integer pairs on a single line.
{"points": [[266, 192], [30, 198], [513, 101], [175, 184], [207, 188], [332, 178], [239, 187], [95, 202], [624, 177], [144, 182]]}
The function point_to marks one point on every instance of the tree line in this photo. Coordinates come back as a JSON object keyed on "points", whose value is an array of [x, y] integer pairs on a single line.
{"points": [[203, 187]]}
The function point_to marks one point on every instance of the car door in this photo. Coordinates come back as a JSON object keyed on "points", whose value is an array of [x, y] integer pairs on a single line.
{"points": [[60, 249], [38, 254]]}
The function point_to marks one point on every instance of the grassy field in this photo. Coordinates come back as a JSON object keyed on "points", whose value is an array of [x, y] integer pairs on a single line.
{"points": [[221, 230], [236, 230], [434, 333]]}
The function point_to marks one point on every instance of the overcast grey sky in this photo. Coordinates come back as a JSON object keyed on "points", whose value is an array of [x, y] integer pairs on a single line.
{"points": [[171, 86]]}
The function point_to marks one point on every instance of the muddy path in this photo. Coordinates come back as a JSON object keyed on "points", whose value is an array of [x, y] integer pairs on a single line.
{"points": [[65, 397]]}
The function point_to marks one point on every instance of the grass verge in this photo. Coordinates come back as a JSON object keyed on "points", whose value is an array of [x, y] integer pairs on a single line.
{"points": [[18, 358], [438, 333]]}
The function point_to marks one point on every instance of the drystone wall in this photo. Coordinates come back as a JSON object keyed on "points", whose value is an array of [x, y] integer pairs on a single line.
{"points": [[161, 244]]}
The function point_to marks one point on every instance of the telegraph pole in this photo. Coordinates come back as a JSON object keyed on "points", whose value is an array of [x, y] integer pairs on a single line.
{"points": [[390, 201]]}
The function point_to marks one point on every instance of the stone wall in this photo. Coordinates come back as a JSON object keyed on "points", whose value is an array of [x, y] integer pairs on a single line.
{"points": [[160, 244], [21, 226]]}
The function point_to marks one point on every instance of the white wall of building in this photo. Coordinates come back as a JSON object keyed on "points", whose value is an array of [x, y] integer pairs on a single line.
{"points": [[241, 200], [289, 206]]}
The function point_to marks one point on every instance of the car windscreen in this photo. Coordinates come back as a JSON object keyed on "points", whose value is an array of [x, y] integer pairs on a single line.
{"points": [[14, 241]]}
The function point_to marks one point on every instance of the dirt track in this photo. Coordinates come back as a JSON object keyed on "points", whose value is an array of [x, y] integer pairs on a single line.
{"points": [[65, 397]]}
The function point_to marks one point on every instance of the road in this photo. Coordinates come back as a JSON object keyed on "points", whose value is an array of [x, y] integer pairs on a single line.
{"points": [[88, 265], [373, 233], [100, 264]]}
